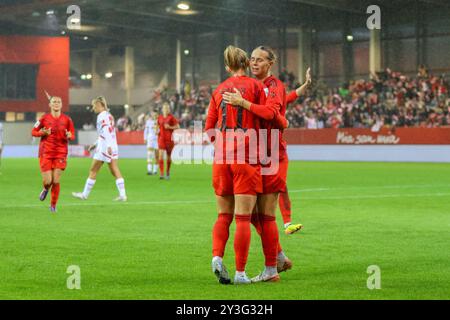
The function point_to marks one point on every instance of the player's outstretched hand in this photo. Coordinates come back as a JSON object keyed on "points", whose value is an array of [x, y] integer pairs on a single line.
{"points": [[109, 150], [308, 77], [234, 99], [46, 131], [166, 126], [91, 147], [68, 134]]}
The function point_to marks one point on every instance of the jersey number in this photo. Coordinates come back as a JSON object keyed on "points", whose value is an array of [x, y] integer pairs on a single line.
{"points": [[223, 106]]}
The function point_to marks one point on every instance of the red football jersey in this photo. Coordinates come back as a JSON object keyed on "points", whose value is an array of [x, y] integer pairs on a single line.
{"points": [[54, 145], [291, 97], [276, 98], [225, 116], [166, 134]]}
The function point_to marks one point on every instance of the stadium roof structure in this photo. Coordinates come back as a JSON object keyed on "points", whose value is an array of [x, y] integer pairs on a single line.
{"points": [[121, 22]]}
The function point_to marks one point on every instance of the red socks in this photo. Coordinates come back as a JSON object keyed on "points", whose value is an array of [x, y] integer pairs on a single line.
{"points": [[270, 240], [169, 162], [256, 222], [265, 225], [161, 167], [220, 234], [55, 194], [285, 206], [242, 241]]}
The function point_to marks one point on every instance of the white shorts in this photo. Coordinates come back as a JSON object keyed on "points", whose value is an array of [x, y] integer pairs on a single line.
{"points": [[102, 155], [152, 143]]}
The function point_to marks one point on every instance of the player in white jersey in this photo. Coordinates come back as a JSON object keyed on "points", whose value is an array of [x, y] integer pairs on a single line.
{"points": [[106, 150], [1, 143], [151, 138]]}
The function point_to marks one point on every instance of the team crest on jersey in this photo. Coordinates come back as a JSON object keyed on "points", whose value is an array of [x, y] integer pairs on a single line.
{"points": [[272, 83]]}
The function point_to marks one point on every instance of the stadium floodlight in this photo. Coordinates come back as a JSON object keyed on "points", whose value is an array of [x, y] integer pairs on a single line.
{"points": [[108, 75], [183, 6], [83, 77], [186, 52], [89, 76], [50, 12], [349, 38], [85, 37]]}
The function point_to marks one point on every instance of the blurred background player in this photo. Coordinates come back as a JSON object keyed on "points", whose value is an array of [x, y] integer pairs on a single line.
{"points": [[55, 130], [1, 145], [151, 138], [236, 185], [106, 150], [167, 123]]}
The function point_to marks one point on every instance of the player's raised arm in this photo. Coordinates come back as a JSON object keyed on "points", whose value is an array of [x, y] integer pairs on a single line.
{"points": [[293, 95]]}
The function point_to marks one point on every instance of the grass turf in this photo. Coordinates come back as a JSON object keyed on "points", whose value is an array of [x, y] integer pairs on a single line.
{"points": [[158, 245]]}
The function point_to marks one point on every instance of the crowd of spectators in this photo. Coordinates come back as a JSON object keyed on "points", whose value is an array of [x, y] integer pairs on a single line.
{"points": [[387, 99], [188, 106]]}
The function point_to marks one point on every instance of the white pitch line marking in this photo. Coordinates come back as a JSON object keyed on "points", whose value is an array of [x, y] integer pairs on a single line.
{"points": [[183, 202], [374, 187]]}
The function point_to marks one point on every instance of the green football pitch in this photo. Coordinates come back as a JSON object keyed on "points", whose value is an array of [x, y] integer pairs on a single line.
{"points": [[158, 244]]}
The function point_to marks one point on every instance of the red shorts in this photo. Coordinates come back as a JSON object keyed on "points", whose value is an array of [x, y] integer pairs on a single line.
{"points": [[166, 145], [231, 179], [48, 164], [277, 182]]}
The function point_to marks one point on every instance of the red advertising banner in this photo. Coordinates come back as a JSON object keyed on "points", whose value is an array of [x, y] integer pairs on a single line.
{"points": [[130, 137], [351, 136], [437, 136]]}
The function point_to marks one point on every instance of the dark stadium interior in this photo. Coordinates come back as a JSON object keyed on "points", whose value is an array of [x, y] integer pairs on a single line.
{"points": [[414, 33]]}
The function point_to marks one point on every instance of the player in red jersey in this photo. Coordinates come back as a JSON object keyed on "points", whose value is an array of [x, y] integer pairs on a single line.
{"points": [[283, 201], [261, 62], [167, 124], [55, 130], [236, 181]]}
